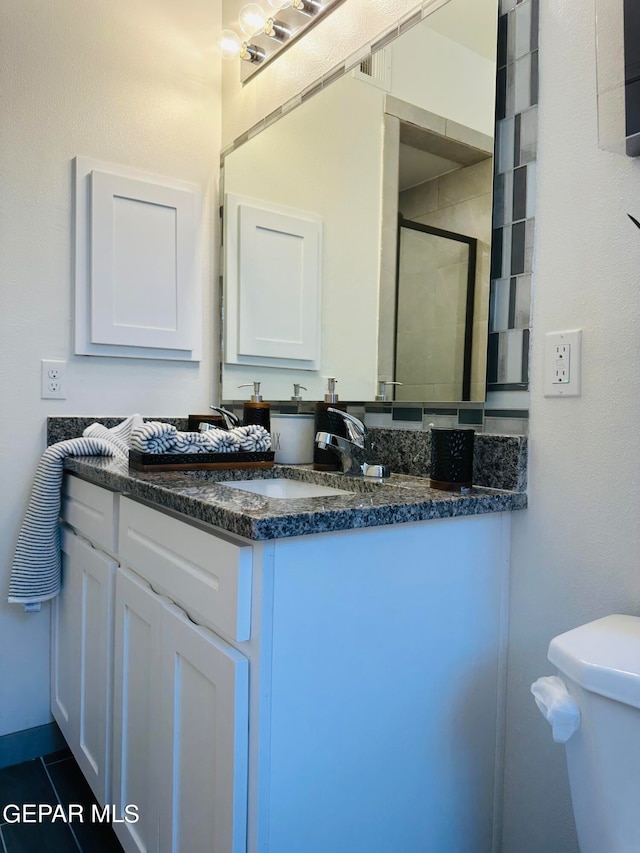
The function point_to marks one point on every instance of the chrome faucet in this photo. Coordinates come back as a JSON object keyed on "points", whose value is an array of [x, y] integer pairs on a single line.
{"points": [[354, 449], [230, 420]]}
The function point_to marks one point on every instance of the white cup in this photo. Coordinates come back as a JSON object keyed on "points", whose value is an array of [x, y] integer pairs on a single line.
{"points": [[292, 438]]}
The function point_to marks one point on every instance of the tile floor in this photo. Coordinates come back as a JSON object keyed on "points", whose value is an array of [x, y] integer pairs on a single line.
{"points": [[54, 779]]}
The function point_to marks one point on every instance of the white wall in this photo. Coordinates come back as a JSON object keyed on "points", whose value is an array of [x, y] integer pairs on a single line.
{"points": [[454, 81], [575, 550], [132, 83]]}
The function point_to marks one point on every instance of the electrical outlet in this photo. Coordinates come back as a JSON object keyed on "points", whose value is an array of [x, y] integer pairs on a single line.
{"points": [[562, 356], [562, 364], [53, 379]]}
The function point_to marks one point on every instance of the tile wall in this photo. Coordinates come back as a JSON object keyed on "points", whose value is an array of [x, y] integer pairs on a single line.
{"points": [[514, 196]]}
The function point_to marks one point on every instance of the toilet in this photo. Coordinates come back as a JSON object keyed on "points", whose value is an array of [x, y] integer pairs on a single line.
{"points": [[600, 665]]}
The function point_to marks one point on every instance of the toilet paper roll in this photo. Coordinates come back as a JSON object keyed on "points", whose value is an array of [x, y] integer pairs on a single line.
{"points": [[557, 705]]}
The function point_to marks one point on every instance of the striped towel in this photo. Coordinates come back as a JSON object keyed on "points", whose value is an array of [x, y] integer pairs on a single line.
{"points": [[120, 435], [35, 575], [253, 438], [212, 441], [158, 437], [153, 437]]}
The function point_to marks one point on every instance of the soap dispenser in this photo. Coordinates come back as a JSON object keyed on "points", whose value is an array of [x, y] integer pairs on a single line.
{"points": [[255, 410], [296, 392], [325, 421]]}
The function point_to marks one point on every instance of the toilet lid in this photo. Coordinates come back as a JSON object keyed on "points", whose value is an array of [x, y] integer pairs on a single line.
{"points": [[602, 657]]}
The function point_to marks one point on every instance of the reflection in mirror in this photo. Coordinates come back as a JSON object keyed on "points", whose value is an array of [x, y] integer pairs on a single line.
{"points": [[409, 132], [434, 313]]}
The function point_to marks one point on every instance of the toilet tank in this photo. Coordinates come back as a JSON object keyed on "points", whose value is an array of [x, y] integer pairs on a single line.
{"points": [[600, 664]]}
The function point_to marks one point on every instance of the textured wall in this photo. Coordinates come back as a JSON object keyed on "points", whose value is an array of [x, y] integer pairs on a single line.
{"points": [[132, 83], [575, 550]]}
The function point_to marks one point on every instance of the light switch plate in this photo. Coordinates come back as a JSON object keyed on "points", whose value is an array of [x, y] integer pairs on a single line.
{"points": [[563, 363]]}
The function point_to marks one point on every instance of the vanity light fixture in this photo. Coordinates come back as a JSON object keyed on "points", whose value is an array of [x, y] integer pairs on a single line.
{"points": [[308, 7], [277, 30], [266, 33]]}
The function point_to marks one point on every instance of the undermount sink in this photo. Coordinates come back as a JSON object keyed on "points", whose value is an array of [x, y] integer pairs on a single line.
{"points": [[284, 488]]}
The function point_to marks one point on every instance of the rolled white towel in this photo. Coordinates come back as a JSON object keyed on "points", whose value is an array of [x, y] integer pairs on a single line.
{"points": [[253, 438], [154, 437], [191, 442], [222, 441], [158, 437]]}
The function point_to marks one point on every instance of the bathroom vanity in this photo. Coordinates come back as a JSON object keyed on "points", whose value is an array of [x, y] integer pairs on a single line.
{"points": [[278, 675]]}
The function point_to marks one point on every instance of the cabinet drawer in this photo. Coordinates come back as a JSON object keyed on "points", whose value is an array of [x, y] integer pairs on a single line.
{"points": [[91, 510], [209, 576]]}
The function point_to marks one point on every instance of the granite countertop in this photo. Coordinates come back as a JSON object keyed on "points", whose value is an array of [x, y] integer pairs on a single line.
{"points": [[202, 496]]}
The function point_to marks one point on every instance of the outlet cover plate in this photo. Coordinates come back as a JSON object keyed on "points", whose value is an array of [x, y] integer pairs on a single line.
{"points": [[53, 379], [563, 363]]}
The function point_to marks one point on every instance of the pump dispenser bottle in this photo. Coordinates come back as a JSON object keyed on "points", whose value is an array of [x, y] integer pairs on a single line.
{"points": [[325, 421], [296, 392], [255, 410]]}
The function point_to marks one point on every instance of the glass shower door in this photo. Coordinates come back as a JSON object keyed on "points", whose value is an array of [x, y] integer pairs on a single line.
{"points": [[434, 313]]}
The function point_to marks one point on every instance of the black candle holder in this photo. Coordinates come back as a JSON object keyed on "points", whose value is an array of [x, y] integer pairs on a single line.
{"points": [[451, 459]]}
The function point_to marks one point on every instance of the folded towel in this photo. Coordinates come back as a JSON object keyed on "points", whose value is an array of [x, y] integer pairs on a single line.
{"points": [[35, 575]]}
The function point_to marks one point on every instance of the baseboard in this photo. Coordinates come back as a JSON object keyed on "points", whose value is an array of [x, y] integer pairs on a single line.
{"points": [[30, 743]]}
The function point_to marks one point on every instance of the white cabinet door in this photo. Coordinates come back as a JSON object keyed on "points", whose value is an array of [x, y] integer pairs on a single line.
{"points": [[65, 620], [204, 740], [82, 659], [135, 729]]}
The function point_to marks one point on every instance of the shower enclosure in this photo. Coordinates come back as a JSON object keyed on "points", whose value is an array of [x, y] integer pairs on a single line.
{"points": [[435, 286]]}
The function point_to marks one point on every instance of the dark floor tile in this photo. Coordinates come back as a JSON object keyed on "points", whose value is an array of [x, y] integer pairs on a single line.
{"points": [[25, 783], [38, 838], [61, 755], [72, 787]]}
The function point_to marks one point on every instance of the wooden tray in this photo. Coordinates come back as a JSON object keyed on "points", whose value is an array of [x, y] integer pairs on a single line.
{"points": [[198, 461]]}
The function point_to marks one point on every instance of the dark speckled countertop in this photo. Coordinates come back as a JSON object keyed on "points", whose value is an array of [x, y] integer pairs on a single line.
{"points": [[202, 496]]}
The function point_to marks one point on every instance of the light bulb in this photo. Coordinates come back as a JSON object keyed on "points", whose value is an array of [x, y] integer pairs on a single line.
{"points": [[229, 44], [279, 4], [252, 19], [307, 7]]}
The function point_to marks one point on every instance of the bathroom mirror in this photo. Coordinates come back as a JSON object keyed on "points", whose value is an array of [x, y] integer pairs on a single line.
{"points": [[407, 137]]}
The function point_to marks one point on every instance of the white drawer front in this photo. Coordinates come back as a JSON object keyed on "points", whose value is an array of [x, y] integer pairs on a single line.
{"points": [[91, 510], [210, 577]]}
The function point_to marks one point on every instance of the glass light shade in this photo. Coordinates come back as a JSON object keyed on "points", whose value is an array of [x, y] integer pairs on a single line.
{"points": [[252, 19], [229, 44]]}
